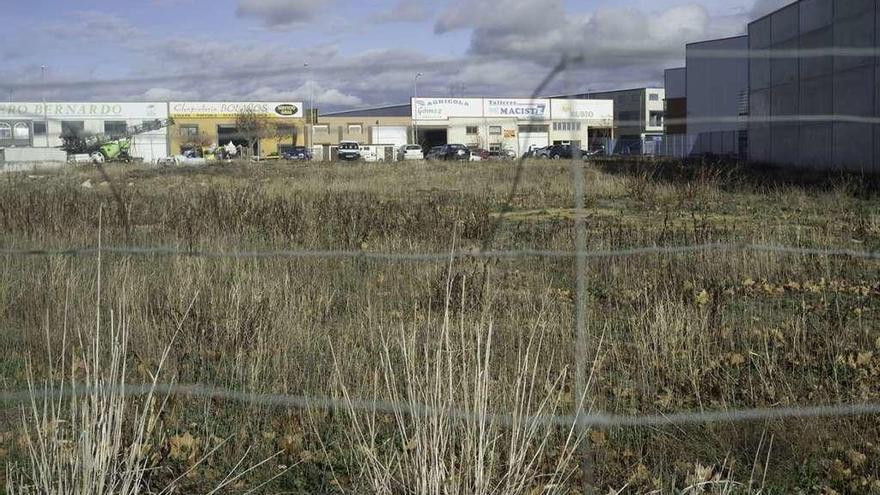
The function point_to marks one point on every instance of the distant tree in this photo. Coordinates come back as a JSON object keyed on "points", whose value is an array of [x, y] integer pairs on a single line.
{"points": [[253, 126]]}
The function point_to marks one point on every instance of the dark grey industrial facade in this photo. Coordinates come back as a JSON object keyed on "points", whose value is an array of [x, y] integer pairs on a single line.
{"points": [[809, 107]]}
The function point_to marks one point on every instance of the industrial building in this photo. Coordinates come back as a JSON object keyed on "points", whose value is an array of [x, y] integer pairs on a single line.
{"points": [[38, 125], [200, 124], [638, 117], [675, 104], [510, 124], [717, 91], [381, 125], [817, 110]]}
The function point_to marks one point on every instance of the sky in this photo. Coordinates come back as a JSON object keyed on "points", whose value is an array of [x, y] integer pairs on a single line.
{"points": [[345, 54]]}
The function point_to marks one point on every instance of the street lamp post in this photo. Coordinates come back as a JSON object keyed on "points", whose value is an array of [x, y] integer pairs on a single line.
{"points": [[311, 119], [45, 111], [415, 127]]}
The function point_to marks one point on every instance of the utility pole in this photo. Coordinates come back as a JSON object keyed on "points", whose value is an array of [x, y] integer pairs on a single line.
{"points": [[415, 127]]}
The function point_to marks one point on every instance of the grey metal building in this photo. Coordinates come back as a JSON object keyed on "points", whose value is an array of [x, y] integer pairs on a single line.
{"points": [[717, 95], [811, 108]]}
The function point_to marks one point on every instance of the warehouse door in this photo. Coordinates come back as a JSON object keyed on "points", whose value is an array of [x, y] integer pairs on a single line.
{"points": [[533, 135]]}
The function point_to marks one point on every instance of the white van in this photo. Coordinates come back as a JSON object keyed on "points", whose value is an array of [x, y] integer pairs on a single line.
{"points": [[410, 152], [349, 150]]}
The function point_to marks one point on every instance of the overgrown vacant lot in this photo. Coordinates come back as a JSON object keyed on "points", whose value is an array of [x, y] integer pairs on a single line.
{"points": [[705, 331]]}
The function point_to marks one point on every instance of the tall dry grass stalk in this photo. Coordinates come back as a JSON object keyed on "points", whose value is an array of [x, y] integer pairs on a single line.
{"points": [[444, 435], [86, 435]]}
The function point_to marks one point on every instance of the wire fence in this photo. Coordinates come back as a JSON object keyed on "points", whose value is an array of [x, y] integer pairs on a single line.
{"points": [[580, 254]]}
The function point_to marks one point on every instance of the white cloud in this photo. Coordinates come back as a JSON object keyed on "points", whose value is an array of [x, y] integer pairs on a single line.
{"points": [[405, 11], [91, 25], [306, 92], [280, 12], [764, 7], [166, 94]]}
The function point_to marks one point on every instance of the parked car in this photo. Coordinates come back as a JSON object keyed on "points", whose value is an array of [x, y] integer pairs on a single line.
{"points": [[297, 153], [434, 153], [598, 150], [479, 154], [349, 150], [534, 151], [410, 152], [560, 151], [454, 152]]}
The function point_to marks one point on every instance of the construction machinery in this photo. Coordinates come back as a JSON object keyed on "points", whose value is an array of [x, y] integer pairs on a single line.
{"points": [[110, 148]]}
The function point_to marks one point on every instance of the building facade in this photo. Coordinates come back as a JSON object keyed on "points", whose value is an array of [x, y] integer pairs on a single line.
{"points": [[32, 124], [717, 91], [391, 125], [638, 116], [510, 124], [810, 108], [203, 124], [675, 107]]}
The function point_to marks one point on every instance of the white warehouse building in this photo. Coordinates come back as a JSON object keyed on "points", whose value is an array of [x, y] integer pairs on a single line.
{"points": [[39, 125], [514, 124]]}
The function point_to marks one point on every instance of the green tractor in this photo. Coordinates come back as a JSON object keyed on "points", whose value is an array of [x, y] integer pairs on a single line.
{"points": [[102, 148]]}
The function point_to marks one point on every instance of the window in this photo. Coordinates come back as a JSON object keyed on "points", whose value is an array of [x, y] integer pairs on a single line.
{"points": [[494, 147], [533, 128], [471, 129], [115, 127], [5, 131], [21, 131], [321, 127], [39, 128], [72, 127], [566, 126], [494, 130], [190, 131], [654, 97], [655, 119], [355, 128]]}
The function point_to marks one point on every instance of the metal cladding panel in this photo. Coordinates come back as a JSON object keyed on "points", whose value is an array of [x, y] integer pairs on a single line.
{"points": [[675, 83], [784, 70], [759, 104], [784, 100], [876, 168], [759, 33], [853, 146], [784, 24], [817, 96], [854, 32], [815, 40], [815, 145], [846, 8], [759, 72], [816, 14], [854, 92], [759, 142], [877, 91], [784, 145], [715, 84]]}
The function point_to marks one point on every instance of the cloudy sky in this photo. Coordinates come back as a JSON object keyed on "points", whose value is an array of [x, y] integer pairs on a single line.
{"points": [[359, 52]]}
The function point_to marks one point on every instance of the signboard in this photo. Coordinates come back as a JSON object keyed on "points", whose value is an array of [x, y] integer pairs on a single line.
{"points": [[509, 133], [444, 108], [229, 109], [520, 109], [84, 110], [596, 111]]}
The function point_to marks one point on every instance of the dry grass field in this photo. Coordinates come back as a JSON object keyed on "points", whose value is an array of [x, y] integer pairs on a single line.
{"points": [[706, 331]]}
